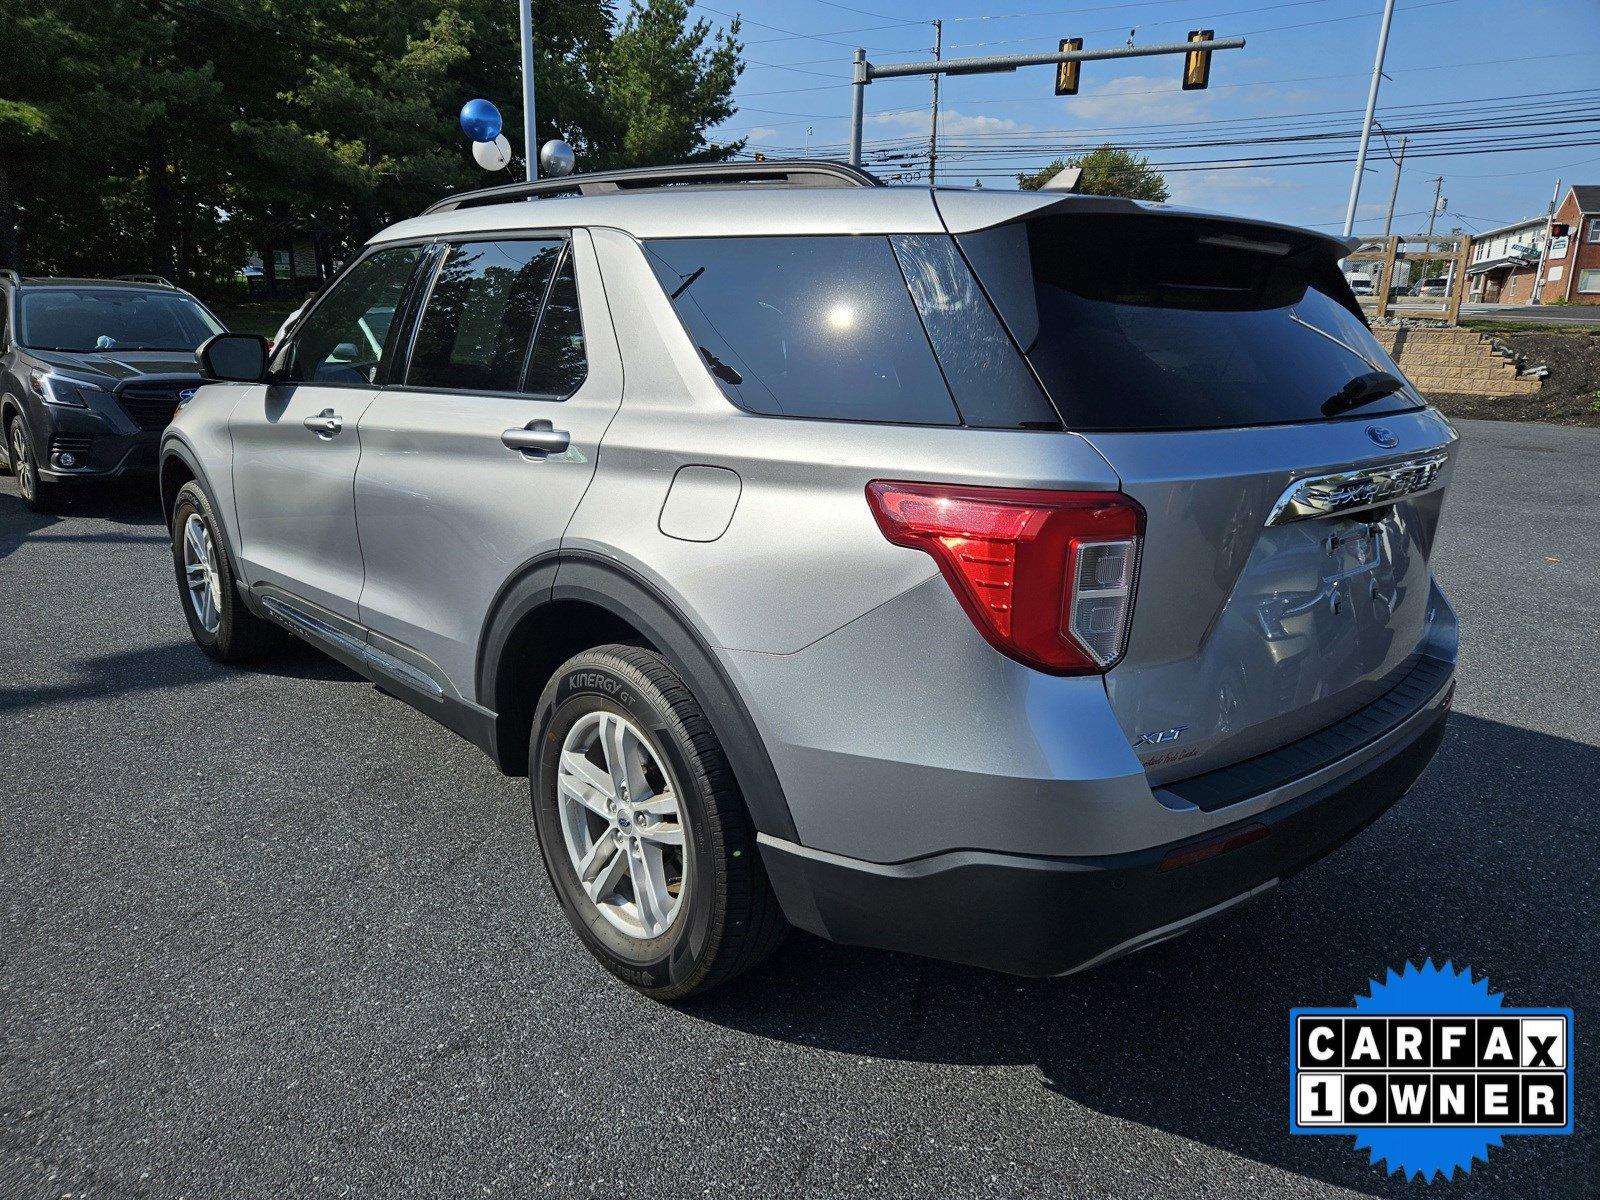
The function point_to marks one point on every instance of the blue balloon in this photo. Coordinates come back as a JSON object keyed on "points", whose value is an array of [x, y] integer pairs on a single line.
{"points": [[480, 120]]}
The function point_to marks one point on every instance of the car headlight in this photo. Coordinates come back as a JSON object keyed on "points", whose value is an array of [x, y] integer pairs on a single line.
{"points": [[60, 391]]}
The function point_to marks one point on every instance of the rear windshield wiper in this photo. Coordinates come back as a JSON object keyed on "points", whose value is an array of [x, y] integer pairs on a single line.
{"points": [[1363, 389]]}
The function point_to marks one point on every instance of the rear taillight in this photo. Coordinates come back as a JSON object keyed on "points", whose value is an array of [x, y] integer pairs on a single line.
{"points": [[1047, 577]]}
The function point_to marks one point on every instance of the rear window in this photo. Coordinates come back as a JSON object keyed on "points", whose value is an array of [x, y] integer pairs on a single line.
{"points": [[854, 328], [1151, 322]]}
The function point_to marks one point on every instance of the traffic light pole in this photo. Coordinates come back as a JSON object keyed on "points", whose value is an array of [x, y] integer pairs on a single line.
{"points": [[865, 72]]}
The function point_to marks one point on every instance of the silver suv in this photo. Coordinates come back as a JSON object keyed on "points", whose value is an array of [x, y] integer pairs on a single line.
{"points": [[1011, 578]]}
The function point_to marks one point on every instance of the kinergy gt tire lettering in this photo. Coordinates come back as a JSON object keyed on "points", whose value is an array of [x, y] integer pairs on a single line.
{"points": [[726, 918]]}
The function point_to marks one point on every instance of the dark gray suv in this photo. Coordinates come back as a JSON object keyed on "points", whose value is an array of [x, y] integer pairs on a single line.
{"points": [[91, 371]]}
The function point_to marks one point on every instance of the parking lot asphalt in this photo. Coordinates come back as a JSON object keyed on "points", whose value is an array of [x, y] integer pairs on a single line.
{"points": [[271, 933]]}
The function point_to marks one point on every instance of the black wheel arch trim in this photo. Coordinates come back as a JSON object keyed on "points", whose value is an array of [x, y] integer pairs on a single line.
{"points": [[613, 587], [174, 447]]}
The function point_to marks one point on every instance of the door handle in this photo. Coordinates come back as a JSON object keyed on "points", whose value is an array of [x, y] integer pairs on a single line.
{"points": [[537, 438], [326, 424]]}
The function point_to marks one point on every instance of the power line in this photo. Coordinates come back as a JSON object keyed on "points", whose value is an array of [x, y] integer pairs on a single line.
{"points": [[1498, 109], [809, 37], [863, 12], [1218, 86]]}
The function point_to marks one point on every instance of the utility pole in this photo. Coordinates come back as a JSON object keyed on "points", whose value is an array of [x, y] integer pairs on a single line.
{"points": [[933, 127], [530, 143], [1433, 213], [1366, 125], [1428, 266], [1394, 192]]}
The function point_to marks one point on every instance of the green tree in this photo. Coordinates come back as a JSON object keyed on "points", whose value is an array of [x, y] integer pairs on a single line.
{"points": [[666, 82], [1107, 171], [205, 128]]}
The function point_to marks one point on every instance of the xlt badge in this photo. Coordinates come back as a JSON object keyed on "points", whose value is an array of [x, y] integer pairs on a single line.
{"points": [[1160, 737]]}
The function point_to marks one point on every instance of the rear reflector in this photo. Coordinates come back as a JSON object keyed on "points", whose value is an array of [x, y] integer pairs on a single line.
{"points": [[1047, 577], [1195, 852]]}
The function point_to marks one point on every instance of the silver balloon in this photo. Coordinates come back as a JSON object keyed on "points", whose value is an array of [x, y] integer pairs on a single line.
{"points": [[556, 158]]}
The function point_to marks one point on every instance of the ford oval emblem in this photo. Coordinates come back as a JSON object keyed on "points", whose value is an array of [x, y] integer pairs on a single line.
{"points": [[188, 394], [1382, 437]]}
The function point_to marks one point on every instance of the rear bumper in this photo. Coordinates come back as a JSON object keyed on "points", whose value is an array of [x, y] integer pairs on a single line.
{"points": [[1048, 916]]}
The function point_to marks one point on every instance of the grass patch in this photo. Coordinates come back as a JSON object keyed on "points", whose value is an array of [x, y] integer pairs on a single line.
{"points": [[1492, 326]]}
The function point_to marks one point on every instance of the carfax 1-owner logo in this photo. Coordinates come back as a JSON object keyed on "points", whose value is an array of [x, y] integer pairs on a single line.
{"points": [[1430, 1070]]}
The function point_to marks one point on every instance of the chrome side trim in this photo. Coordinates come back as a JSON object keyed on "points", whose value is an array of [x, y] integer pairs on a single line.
{"points": [[386, 664], [1351, 491]]}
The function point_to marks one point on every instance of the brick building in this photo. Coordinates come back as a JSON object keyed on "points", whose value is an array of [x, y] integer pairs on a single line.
{"points": [[1504, 263], [1572, 254]]}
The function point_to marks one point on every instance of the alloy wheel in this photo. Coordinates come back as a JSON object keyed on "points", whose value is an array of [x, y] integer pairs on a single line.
{"points": [[622, 825], [21, 460], [200, 573]]}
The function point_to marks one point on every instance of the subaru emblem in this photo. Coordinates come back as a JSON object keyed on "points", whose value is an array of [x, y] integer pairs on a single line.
{"points": [[188, 394], [1382, 437]]}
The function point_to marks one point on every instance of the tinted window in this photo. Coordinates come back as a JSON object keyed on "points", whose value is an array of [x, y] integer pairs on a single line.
{"points": [[86, 319], [342, 339], [557, 366], [806, 326], [477, 326], [1167, 323], [991, 383]]}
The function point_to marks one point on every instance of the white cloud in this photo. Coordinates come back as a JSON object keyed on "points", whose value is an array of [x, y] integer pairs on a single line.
{"points": [[1134, 99], [1244, 193], [761, 133], [951, 123]]}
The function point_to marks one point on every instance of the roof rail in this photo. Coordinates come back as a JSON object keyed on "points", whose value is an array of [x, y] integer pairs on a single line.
{"points": [[160, 280], [799, 173]]}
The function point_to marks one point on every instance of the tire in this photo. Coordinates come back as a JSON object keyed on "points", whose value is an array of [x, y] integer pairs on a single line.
{"points": [[41, 496], [726, 918], [225, 629]]}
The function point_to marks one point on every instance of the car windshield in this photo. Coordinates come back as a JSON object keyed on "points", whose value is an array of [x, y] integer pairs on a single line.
{"points": [[90, 319]]}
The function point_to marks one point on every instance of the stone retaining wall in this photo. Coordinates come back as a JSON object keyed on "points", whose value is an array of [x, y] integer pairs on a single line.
{"points": [[1457, 361]]}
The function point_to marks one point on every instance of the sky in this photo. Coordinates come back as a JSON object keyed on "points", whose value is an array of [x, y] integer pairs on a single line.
{"points": [[1462, 76]]}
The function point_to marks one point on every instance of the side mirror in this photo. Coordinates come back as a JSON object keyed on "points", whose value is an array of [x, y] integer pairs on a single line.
{"points": [[234, 358]]}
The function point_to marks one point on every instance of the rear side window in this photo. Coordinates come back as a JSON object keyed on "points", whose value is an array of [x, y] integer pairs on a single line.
{"points": [[1149, 322], [991, 383], [477, 327], [806, 326]]}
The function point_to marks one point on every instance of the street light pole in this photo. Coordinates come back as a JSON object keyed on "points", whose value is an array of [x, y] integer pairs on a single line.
{"points": [[530, 145], [1366, 125]]}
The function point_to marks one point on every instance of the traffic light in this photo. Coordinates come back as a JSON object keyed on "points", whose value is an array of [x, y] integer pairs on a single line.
{"points": [[1197, 63], [1067, 72]]}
